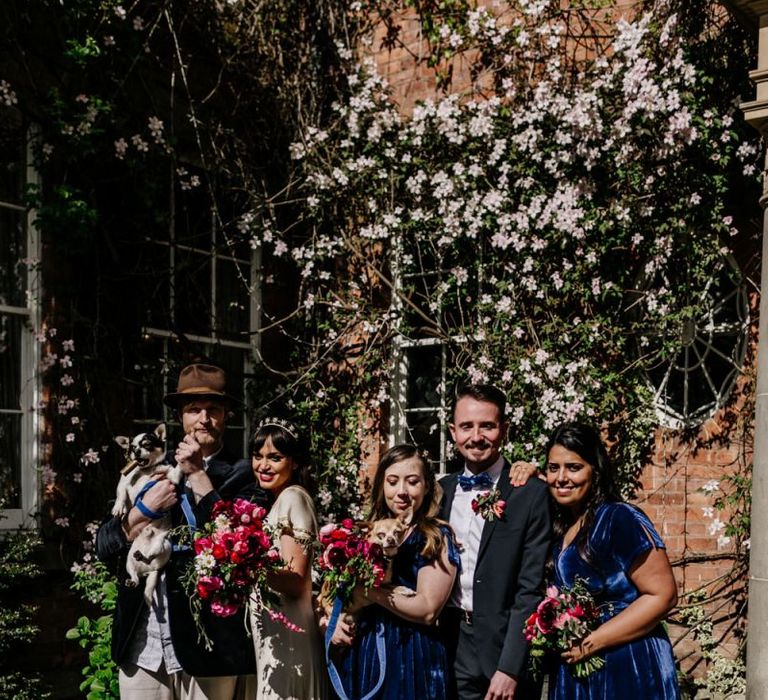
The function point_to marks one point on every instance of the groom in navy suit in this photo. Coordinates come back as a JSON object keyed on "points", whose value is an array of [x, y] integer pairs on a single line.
{"points": [[502, 559]]}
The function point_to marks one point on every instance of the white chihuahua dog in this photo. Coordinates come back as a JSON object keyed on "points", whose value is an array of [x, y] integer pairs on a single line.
{"points": [[150, 551]]}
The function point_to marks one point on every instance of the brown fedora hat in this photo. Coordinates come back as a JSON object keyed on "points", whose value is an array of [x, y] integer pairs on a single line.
{"points": [[200, 382]]}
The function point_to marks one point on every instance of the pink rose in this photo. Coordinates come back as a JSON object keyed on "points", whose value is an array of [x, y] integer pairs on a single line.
{"points": [[223, 608], [326, 530], [336, 554], [546, 614]]}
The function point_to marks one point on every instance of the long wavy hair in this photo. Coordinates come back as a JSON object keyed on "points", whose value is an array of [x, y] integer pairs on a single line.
{"points": [[425, 519], [585, 441], [292, 443]]}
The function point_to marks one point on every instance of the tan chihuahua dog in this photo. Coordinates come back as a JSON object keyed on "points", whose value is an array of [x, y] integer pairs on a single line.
{"points": [[389, 534]]}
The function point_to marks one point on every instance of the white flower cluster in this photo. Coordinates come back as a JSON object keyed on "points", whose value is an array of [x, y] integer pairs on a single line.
{"points": [[7, 95]]}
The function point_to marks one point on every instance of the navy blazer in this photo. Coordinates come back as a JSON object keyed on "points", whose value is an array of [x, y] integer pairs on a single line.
{"points": [[232, 653], [509, 572]]}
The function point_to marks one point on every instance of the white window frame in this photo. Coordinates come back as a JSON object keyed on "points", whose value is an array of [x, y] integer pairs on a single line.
{"points": [[666, 414], [399, 415], [29, 398]]}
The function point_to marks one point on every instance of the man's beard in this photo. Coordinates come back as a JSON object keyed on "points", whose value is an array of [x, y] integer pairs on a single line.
{"points": [[207, 437]]}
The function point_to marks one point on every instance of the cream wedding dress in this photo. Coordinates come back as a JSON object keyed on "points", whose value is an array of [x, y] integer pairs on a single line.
{"points": [[290, 665]]}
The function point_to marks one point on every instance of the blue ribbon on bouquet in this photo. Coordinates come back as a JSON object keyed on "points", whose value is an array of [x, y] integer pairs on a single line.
{"points": [[381, 652]]}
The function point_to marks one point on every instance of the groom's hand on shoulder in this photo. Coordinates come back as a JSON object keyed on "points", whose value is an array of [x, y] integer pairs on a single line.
{"points": [[521, 471]]}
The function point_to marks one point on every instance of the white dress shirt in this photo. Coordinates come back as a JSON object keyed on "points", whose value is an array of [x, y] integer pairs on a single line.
{"points": [[468, 527]]}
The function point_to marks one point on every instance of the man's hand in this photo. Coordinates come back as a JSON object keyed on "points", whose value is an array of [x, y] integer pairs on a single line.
{"points": [[502, 687], [189, 455], [162, 496], [520, 472], [159, 498]]}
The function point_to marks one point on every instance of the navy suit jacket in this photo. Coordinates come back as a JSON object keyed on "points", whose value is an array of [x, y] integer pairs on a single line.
{"points": [[509, 572], [232, 653]]}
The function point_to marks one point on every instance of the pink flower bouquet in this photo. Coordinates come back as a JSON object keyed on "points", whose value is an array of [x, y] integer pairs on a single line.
{"points": [[233, 555], [562, 620]]}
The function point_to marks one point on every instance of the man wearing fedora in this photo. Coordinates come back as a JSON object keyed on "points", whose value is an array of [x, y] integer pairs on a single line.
{"points": [[157, 647]]}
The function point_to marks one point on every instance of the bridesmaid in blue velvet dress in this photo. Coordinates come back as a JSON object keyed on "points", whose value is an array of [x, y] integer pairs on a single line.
{"points": [[614, 547], [426, 563]]}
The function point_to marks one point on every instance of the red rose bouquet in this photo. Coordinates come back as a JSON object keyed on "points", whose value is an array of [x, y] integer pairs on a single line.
{"points": [[233, 555], [348, 559], [563, 619]]}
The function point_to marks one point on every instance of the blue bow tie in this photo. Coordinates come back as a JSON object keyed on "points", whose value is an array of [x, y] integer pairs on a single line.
{"points": [[476, 481]]}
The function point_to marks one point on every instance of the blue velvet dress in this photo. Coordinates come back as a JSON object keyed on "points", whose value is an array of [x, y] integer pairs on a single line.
{"points": [[415, 655], [643, 669]]}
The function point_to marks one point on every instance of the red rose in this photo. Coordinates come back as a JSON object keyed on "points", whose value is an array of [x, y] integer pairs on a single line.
{"points": [[207, 585], [202, 544]]}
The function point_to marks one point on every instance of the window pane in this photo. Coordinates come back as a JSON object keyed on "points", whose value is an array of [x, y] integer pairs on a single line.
{"points": [[10, 362], [424, 374], [194, 219], [149, 385], [12, 145], [192, 289], [232, 302], [152, 283], [12, 252], [424, 431], [10, 460]]}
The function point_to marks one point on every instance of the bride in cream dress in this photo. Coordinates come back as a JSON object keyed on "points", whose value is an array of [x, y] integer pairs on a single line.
{"points": [[289, 662]]}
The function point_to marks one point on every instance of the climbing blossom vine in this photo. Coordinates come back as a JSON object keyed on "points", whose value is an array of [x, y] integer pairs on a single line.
{"points": [[553, 234]]}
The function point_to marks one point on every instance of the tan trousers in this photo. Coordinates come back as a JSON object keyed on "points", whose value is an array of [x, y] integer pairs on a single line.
{"points": [[138, 684]]}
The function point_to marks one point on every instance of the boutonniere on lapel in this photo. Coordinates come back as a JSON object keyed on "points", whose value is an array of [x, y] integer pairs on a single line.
{"points": [[488, 505]]}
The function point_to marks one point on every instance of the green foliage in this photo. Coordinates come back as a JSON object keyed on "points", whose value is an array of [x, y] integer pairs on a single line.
{"points": [[724, 675], [80, 52], [17, 568], [98, 586]]}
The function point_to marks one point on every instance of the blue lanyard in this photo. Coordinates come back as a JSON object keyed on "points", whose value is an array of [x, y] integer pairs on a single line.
{"points": [[381, 652]]}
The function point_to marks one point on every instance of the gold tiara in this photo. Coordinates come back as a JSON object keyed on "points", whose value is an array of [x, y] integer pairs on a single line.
{"points": [[286, 425]]}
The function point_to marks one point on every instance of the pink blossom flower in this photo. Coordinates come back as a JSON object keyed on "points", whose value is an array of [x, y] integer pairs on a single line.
{"points": [[224, 608]]}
